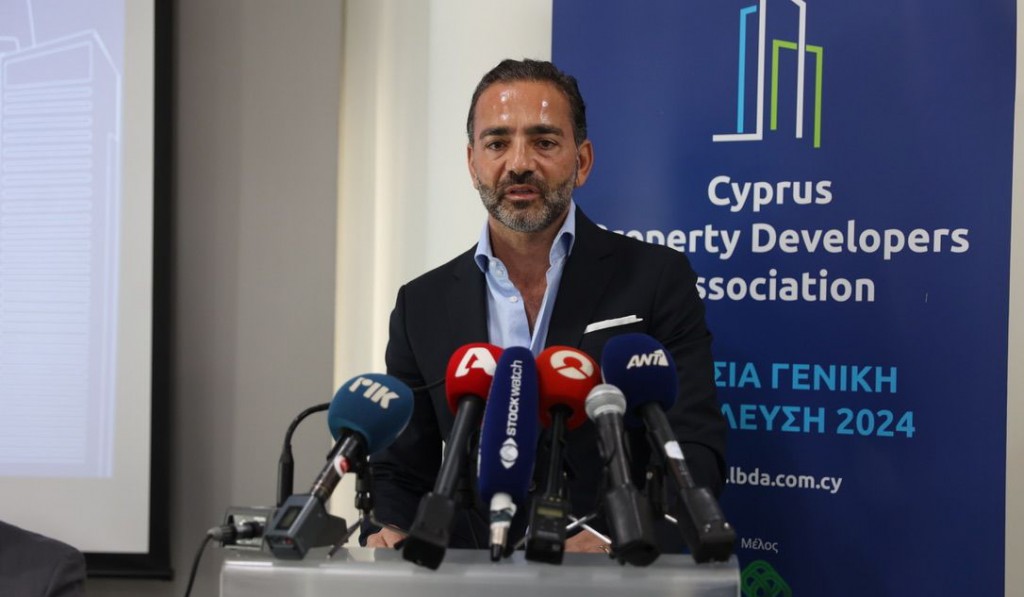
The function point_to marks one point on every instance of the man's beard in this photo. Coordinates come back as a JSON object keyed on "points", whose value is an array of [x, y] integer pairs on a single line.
{"points": [[527, 216]]}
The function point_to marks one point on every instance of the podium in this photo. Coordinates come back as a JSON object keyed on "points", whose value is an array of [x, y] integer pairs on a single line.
{"points": [[383, 573]]}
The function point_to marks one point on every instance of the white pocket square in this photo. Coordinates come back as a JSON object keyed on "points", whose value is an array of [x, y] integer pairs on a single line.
{"points": [[611, 323]]}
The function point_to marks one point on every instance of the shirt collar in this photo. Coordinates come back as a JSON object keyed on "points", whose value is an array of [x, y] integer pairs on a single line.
{"points": [[565, 238]]}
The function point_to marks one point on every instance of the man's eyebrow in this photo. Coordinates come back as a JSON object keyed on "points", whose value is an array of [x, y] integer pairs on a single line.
{"points": [[537, 129], [495, 131], [544, 129]]}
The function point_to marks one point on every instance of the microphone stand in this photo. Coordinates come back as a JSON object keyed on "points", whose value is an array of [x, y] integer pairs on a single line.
{"points": [[286, 463]]}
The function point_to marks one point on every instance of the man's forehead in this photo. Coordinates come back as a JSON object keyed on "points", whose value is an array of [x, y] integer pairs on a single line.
{"points": [[537, 101]]}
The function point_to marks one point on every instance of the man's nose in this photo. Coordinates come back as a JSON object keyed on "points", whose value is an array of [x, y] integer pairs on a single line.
{"points": [[522, 158]]}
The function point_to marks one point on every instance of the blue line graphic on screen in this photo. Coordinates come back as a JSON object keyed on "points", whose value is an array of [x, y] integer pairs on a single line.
{"points": [[802, 48], [60, 202]]}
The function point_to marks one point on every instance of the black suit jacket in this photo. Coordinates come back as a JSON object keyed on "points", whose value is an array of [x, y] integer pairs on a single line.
{"points": [[32, 565], [606, 276]]}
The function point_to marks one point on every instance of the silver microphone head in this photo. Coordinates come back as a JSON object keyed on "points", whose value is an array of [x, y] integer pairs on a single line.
{"points": [[605, 398]]}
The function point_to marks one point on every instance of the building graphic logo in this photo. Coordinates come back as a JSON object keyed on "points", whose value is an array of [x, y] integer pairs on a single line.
{"points": [[759, 579], [60, 202], [802, 49]]}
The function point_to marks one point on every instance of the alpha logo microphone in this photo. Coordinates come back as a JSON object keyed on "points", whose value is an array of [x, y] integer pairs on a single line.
{"points": [[468, 381], [476, 357]]}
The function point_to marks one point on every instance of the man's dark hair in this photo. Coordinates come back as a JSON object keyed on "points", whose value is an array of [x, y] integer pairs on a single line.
{"points": [[535, 70]]}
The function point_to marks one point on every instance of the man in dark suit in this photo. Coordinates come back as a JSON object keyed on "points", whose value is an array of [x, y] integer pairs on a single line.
{"points": [[542, 274], [32, 565]]}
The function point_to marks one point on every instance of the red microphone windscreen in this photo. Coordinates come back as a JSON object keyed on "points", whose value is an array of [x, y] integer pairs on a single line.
{"points": [[566, 377], [470, 371]]}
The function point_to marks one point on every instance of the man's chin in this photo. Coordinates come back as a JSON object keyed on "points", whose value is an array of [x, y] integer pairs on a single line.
{"points": [[527, 221]]}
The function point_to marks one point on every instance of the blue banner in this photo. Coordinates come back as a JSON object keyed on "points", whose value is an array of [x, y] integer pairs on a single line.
{"points": [[839, 174]]}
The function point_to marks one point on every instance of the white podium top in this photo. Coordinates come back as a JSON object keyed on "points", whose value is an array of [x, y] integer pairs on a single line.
{"points": [[383, 573]]}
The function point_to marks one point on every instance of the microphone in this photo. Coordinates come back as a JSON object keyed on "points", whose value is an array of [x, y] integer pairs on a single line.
{"points": [[366, 415], [467, 383], [566, 375], [644, 370], [508, 442], [286, 462], [629, 515]]}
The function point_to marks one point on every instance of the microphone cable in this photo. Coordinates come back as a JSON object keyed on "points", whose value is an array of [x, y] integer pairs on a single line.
{"points": [[226, 534], [195, 563]]}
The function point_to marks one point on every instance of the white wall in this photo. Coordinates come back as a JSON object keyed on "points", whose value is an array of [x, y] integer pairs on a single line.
{"points": [[257, 87], [406, 202]]}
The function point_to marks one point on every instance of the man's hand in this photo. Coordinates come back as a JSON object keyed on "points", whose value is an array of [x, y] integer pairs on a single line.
{"points": [[385, 538], [585, 542]]}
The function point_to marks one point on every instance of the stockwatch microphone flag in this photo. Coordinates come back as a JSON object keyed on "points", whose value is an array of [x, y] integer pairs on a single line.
{"points": [[645, 372], [508, 442], [367, 414]]}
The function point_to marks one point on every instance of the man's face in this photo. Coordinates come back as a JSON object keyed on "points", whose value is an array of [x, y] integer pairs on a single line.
{"points": [[523, 158]]}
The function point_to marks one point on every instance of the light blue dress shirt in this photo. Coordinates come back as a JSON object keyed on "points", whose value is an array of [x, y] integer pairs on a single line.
{"points": [[506, 313]]}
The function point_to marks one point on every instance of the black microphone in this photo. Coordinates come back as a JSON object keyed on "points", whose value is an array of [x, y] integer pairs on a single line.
{"points": [[367, 414], [628, 513], [286, 462], [467, 383], [566, 375], [643, 369]]}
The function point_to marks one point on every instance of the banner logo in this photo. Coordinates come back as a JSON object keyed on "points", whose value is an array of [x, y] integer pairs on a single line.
{"points": [[759, 579], [802, 49]]}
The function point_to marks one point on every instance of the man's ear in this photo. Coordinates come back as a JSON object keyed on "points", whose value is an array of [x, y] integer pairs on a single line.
{"points": [[584, 161], [469, 164]]}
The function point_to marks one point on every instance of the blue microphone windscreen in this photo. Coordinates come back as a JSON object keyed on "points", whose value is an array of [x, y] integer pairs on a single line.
{"points": [[643, 369], [508, 438], [375, 405]]}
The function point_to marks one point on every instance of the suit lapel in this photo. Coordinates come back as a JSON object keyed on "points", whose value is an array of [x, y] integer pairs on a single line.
{"points": [[467, 303], [585, 278]]}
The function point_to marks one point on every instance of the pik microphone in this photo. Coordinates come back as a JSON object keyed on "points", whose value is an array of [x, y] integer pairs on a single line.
{"points": [[508, 442], [467, 383], [645, 372], [628, 513], [566, 375], [367, 414]]}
